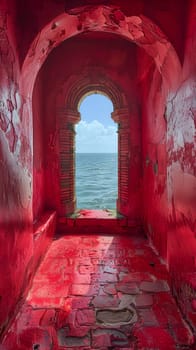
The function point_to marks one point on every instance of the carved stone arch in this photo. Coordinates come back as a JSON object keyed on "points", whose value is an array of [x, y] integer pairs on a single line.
{"points": [[94, 81], [137, 29], [68, 115]]}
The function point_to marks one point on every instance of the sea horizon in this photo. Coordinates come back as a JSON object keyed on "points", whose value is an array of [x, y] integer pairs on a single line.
{"points": [[96, 180]]}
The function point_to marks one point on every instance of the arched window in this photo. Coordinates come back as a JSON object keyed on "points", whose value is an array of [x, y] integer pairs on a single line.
{"points": [[69, 116], [96, 154]]}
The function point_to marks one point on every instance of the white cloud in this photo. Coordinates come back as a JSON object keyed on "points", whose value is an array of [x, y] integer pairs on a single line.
{"points": [[94, 137]]}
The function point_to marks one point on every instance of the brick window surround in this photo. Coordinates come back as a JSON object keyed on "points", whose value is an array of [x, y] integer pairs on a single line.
{"points": [[68, 116]]}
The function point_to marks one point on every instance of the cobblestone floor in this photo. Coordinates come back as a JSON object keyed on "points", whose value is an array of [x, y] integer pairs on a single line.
{"points": [[100, 292]]}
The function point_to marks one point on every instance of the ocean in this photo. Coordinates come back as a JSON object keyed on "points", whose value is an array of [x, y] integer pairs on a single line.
{"points": [[96, 180]]}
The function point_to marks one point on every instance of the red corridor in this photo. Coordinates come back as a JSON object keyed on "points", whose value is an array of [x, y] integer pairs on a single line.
{"points": [[76, 278]]}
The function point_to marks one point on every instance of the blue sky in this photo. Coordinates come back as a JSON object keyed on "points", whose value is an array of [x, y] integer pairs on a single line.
{"points": [[96, 133]]}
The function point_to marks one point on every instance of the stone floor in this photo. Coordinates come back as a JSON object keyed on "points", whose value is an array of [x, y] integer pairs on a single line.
{"points": [[100, 292]]}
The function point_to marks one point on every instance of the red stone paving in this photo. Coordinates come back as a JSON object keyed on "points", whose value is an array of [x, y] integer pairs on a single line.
{"points": [[100, 292], [97, 213]]}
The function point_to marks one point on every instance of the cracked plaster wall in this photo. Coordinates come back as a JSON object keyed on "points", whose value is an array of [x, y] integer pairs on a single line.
{"points": [[181, 168], [35, 14], [154, 153], [19, 251], [169, 163], [15, 170]]}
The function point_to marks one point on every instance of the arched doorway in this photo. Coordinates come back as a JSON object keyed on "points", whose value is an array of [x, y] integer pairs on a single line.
{"points": [[96, 154]]}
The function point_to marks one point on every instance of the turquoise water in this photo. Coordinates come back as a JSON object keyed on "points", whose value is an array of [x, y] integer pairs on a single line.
{"points": [[96, 180]]}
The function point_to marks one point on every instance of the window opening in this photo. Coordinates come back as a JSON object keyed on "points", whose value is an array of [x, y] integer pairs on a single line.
{"points": [[96, 154]]}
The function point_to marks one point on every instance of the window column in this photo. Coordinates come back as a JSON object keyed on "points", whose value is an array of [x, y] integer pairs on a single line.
{"points": [[121, 116], [68, 120]]}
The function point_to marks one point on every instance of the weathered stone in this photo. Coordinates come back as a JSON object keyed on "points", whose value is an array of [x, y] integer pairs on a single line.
{"points": [[154, 287], [136, 277], [104, 277], [101, 338], [77, 302], [85, 289], [128, 288], [115, 316], [143, 301], [105, 301], [101, 291], [109, 289], [63, 340], [85, 317], [108, 337], [110, 269], [126, 300], [79, 331]]}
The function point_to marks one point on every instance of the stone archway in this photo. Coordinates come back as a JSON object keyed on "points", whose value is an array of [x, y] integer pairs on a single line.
{"points": [[136, 29], [93, 80]]}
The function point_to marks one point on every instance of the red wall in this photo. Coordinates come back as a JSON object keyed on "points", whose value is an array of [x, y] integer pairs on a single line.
{"points": [[15, 170], [169, 168], [181, 116], [154, 155], [20, 248], [109, 56]]}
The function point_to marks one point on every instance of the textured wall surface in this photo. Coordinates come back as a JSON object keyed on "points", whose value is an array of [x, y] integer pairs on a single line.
{"points": [[156, 72], [15, 170], [169, 150], [18, 254], [181, 153]]}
